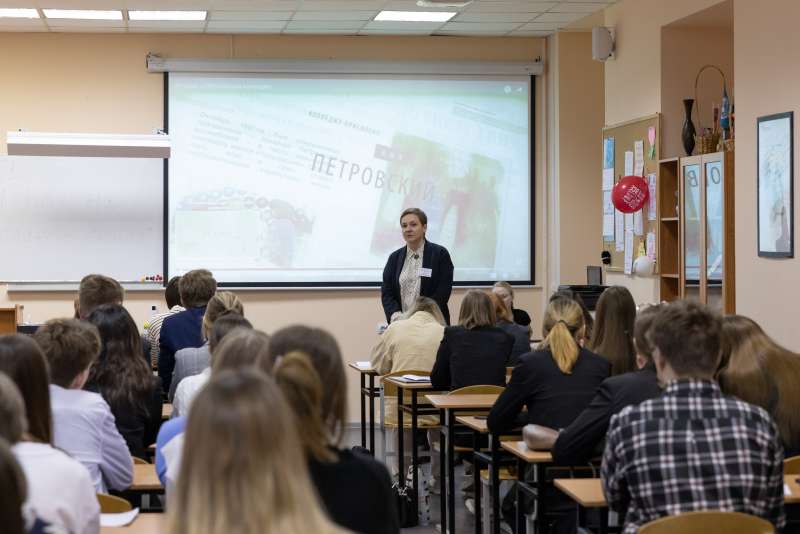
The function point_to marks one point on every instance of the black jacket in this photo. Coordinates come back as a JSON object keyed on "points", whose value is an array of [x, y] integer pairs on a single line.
{"points": [[471, 357], [553, 398], [579, 442], [438, 286]]}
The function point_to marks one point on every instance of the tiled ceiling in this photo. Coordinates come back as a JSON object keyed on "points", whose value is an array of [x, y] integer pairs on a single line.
{"points": [[520, 18]]}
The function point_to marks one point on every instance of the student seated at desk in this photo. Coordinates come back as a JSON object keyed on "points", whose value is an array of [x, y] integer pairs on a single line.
{"points": [[588, 320], [96, 290], [245, 471], [505, 322], [193, 360], [355, 489], [59, 489], [581, 440], [153, 333], [757, 370], [474, 352], [692, 448], [83, 425], [124, 379], [557, 381], [612, 336], [240, 348], [506, 293]]}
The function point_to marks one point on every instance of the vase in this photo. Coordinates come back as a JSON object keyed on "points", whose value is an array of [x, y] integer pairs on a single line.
{"points": [[688, 131]]}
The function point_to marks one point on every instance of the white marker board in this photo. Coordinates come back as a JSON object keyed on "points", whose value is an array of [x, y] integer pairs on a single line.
{"points": [[64, 217]]}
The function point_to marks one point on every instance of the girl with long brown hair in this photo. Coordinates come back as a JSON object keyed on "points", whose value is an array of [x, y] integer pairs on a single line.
{"points": [[123, 377], [612, 336], [242, 470], [756, 369]]}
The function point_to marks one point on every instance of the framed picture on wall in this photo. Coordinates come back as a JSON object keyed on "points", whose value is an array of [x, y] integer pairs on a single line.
{"points": [[776, 185]]}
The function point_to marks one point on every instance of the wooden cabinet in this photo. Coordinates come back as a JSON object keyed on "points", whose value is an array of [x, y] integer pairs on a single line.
{"points": [[696, 230]]}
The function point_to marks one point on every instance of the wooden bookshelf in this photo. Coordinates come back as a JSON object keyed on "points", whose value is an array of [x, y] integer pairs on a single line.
{"points": [[669, 245]]}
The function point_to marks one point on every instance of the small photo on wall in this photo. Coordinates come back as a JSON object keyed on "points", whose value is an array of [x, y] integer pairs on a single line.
{"points": [[776, 185]]}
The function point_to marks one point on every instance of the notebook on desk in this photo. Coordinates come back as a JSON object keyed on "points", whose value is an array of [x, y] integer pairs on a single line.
{"points": [[413, 378]]}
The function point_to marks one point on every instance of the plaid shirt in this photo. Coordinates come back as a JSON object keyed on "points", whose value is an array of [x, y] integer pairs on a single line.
{"points": [[693, 449]]}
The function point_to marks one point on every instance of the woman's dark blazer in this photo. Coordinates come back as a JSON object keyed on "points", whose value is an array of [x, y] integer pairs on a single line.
{"points": [[438, 286]]}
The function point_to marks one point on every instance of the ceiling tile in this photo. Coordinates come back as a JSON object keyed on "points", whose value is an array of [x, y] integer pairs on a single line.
{"points": [[166, 26], [71, 24], [95, 29], [249, 16], [503, 6], [24, 25], [334, 15], [339, 5], [324, 25], [535, 6], [480, 27], [576, 7], [530, 33], [411, 5], [249, 27], [494, 17], [539, 26], [563, 18], [250, 5]]}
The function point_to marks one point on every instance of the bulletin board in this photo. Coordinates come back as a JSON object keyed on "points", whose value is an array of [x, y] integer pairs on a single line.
{"points": [[625, 135]]}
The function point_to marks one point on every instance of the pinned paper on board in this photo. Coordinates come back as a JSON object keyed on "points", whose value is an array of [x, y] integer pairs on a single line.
{"points": [[608, 153], [629, 222], [640, 251], [628, 163], [651, 245], [608, 206], [651, 138], [651, 206], [638, 158], [628, 251], [608, 227], [638, 224], [619, 230], [608, 179]]}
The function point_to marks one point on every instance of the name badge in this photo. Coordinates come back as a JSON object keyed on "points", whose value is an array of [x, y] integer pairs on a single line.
{"points": [[425, 272]]}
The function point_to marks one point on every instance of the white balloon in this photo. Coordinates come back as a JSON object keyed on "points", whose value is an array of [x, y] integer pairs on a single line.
{"points": [[643, 266]]}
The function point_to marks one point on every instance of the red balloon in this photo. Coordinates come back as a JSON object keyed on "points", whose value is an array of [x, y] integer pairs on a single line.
{"points": [[630, 194]]}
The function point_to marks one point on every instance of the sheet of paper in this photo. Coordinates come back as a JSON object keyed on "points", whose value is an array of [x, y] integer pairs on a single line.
{"points": [[118, 520], [415, 378], [651, 201], [628, 163], [787, 490], [608, 227], [608, 153], [619, 230], [638, 158], [651, 245], [363, 365], [608, 179], [638, 225], [608, 206], [651, 137], [628, 251], [628, 221]]}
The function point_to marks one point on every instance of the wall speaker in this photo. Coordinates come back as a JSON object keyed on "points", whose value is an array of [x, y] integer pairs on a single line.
{"points": [[602, 43]]}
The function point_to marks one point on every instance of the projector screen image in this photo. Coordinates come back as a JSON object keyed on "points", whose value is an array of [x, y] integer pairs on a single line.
{"points": [[301, 180]]}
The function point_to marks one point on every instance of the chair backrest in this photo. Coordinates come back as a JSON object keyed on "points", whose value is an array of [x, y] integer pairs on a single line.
{"points": [[139, 461], [389, 389], [709, 521], [109, 504], [481, 389], [791, 466]]}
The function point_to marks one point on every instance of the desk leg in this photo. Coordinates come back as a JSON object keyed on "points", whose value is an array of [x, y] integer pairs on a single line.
{"points": [[541, 522], [372, 414], [520, 515], [414, 455], [363, 413], [476, 481], [401, 472], [451, 469], [581, 516], [443, 469], [603, 520], [494, 489]]}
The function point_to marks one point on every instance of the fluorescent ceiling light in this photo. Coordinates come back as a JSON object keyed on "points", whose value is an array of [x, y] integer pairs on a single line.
{"points": [[88, 145], [19, 13], [82, 14], [415, 16], [166, 15]]}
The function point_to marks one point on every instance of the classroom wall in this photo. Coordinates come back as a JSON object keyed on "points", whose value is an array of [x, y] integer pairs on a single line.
{"points": [[580, 116], [633, 82], [99, 83], [767, 76]]}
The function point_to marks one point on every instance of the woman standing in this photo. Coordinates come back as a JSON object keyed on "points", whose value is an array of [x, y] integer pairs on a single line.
{"points": [[419, 268]]}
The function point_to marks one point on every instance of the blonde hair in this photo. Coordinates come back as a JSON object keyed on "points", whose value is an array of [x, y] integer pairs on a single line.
{"points": [[563, 325], [761, 372], [476, 310], [427, 304], [222, 303], [244, 472], [500, 309], [302, 387], [506, 286]]}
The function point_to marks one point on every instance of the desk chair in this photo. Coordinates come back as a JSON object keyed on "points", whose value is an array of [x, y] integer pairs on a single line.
{"points": [[110, 504], [707, 521], [791, 466], [139, 461], [389, 390]]}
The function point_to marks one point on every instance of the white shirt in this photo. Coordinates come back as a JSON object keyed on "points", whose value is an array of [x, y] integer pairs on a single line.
{"points": [[60, 490], [187, 390], [84, 427], [410, 282], [154, 331]]}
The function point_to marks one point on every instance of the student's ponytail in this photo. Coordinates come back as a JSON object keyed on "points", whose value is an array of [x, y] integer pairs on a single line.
{"points": [[302, 387], [563, 322]]}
